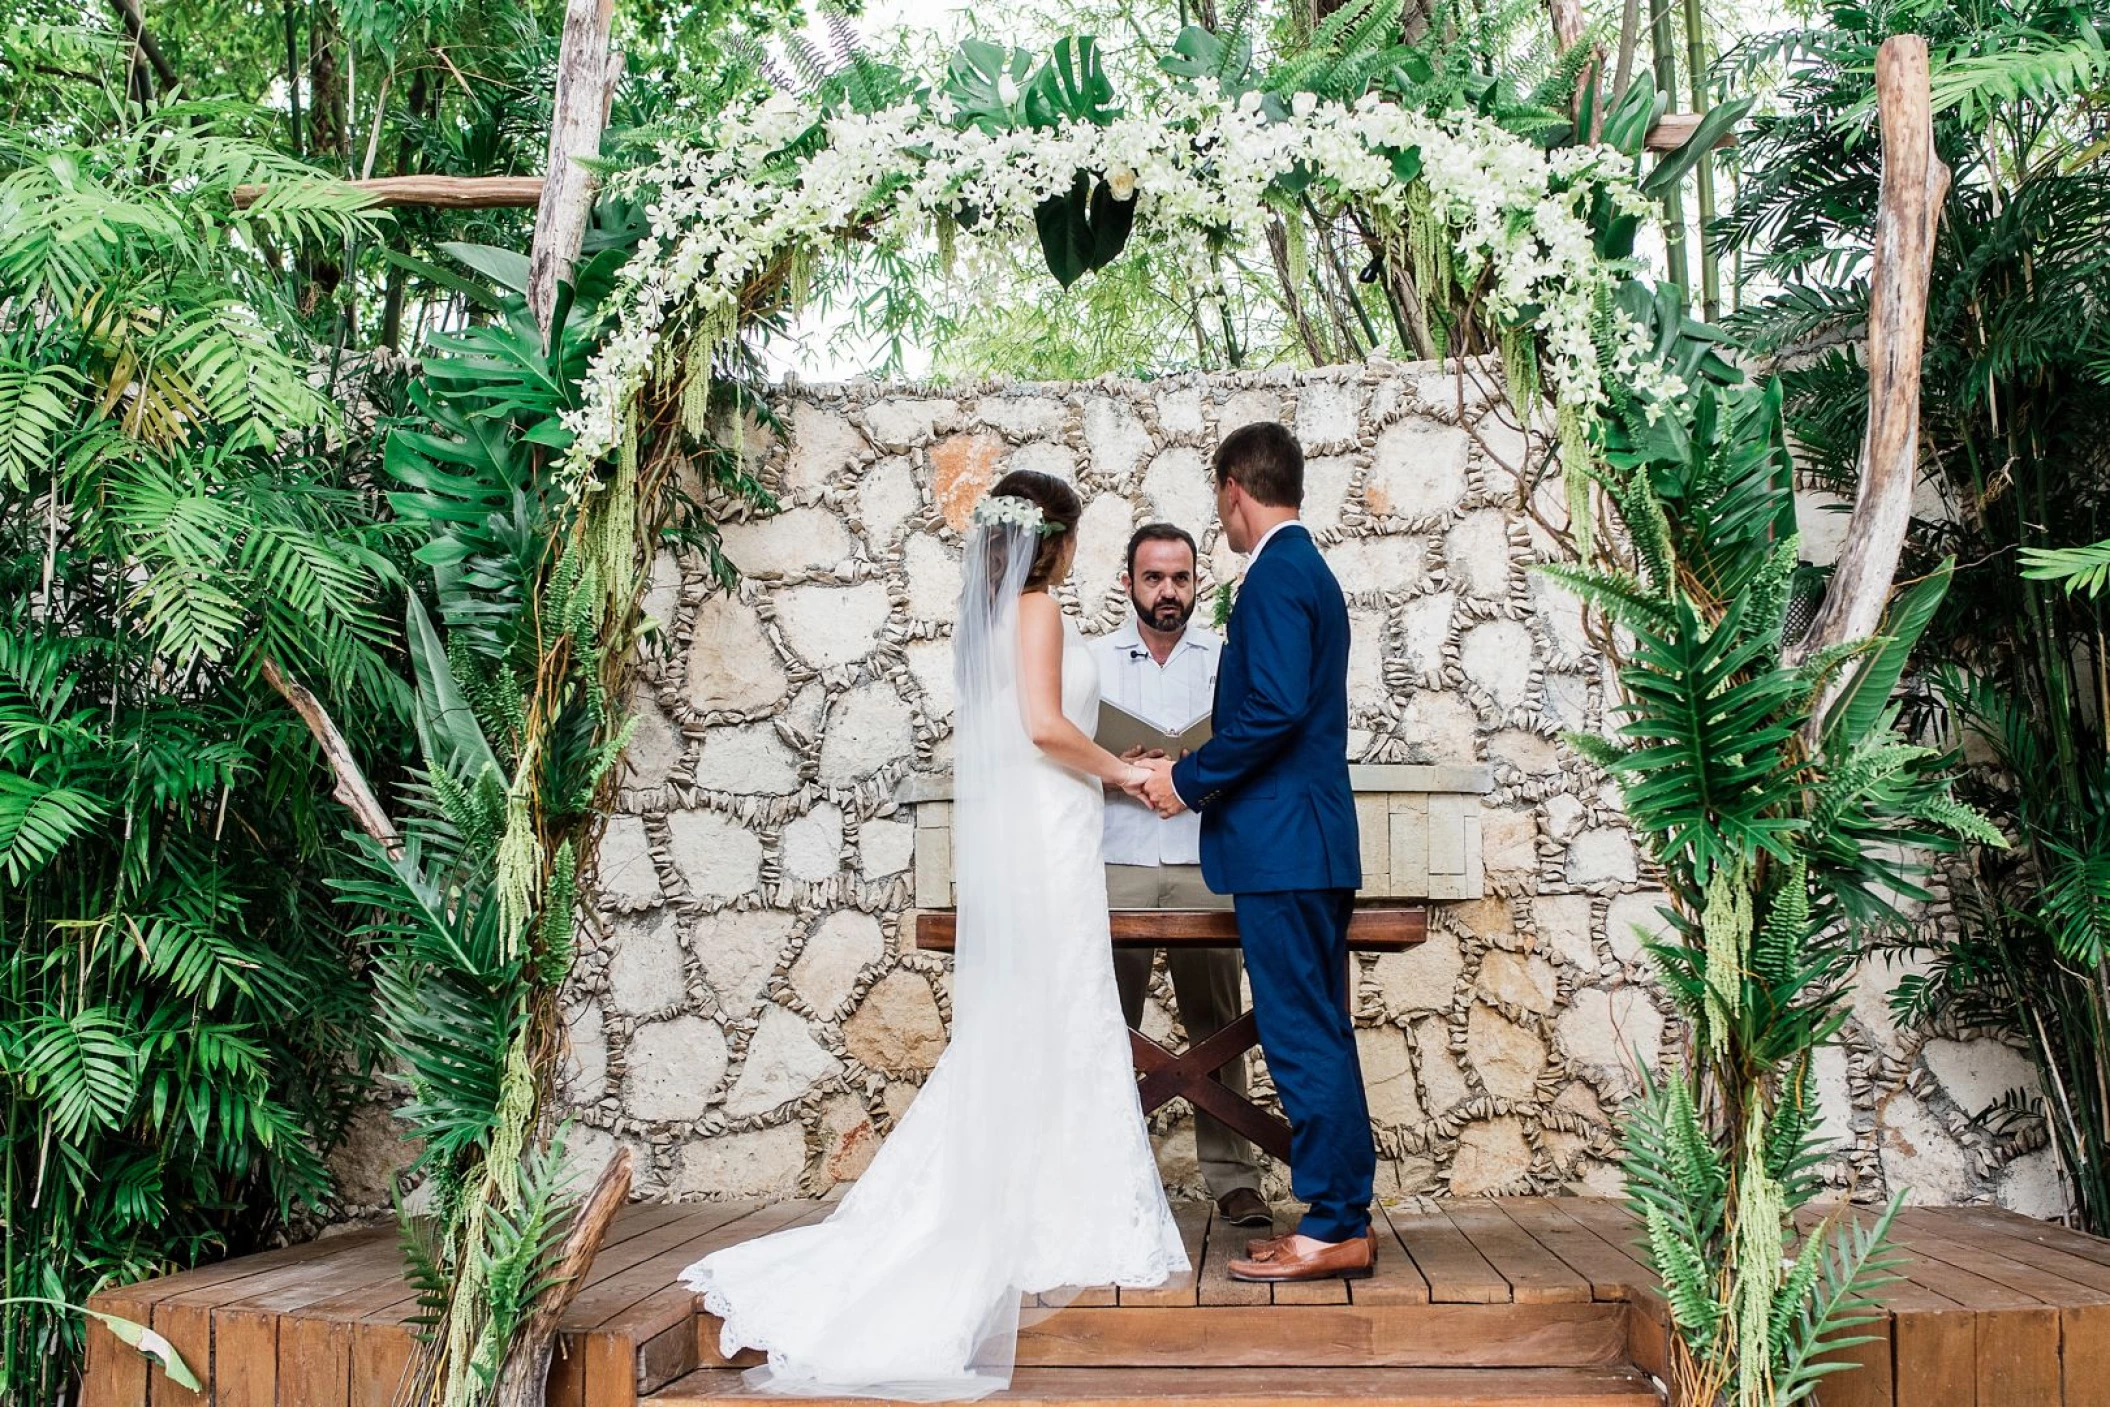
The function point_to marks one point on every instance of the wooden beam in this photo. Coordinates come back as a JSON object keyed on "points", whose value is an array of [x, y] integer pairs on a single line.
{"points": [[1908, 212], [586, 75], [1671, 131], [442, 192]]}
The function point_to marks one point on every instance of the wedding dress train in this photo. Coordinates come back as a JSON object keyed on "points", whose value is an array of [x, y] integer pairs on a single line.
{"points": [[1024, 1165]]}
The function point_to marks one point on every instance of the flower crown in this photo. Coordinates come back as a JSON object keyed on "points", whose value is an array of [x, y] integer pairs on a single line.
{"points": [[996, 510]]}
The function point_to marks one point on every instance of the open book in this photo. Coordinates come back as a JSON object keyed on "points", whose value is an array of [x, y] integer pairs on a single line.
{"points": [[1120, 730]]}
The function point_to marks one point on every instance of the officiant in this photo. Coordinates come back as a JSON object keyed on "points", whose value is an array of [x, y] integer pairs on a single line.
{"points": [[1161, 667]]}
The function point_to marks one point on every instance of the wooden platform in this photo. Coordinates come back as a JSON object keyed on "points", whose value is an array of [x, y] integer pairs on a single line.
{"points": [[1480, 1303]]}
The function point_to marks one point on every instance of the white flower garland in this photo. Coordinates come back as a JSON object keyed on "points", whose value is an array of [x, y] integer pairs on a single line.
{"points": [[723, 211]]}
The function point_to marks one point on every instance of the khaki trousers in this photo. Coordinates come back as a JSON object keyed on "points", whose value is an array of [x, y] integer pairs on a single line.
{"points": [[1205, 981]]}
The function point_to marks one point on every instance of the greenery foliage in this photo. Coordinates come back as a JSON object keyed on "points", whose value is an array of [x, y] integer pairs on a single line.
{"points": [[182, 1028], [2014, 395]]}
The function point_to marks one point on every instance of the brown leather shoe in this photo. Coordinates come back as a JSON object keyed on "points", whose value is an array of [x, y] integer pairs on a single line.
{"points": [[1242, 1206], [1260, 1243], [1281, 1262]]}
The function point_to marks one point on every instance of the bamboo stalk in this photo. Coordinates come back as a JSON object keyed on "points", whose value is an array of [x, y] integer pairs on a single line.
{"points": [[1696, 77], [1662, 40]]}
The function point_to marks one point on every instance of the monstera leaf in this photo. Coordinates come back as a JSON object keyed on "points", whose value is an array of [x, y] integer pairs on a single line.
{"points": [[1071, 86], [1083, 229], [975, 80]]}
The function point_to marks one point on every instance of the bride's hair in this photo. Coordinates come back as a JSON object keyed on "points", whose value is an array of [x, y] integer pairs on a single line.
{"points": [[1059, 509]]}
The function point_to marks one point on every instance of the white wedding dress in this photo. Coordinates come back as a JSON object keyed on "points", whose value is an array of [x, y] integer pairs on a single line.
{"points": [[1024, 1166]]}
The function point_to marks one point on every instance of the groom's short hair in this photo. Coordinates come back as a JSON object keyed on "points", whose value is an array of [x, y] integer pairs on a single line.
{"points": [[1266, 461]]}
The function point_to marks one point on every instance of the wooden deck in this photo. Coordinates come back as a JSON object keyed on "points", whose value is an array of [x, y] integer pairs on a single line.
{"points": [[1479, 1303]]}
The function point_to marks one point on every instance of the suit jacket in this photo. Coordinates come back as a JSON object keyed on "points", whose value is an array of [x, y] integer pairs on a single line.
{"points": [[1272, 782]]}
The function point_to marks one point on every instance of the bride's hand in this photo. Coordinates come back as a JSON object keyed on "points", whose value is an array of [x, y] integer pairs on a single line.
{"points": [[1132, 780]]}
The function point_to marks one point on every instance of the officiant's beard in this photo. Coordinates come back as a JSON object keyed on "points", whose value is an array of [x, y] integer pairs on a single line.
{"points": [[1167, 615]]}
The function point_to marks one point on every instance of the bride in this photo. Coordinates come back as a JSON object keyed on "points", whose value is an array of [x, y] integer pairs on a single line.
{"points": [[1024, 1167]]}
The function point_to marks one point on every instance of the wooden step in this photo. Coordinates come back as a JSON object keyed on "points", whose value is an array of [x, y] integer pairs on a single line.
{"points": [[1257, 1387]]}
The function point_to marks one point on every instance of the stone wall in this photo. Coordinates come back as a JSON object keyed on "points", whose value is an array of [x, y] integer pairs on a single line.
{"points": [[755, 1016]]}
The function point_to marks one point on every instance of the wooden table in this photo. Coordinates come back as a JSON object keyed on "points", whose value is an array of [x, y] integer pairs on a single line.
{"points": [[1378, 926]]}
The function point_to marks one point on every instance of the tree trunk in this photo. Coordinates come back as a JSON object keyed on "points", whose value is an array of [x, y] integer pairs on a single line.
{"points": [[1907, 216], [586, 75], [523, 1379], [351, 785]]}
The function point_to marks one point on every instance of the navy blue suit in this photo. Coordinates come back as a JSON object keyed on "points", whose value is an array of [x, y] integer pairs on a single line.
{"points": [[1279, 836]]}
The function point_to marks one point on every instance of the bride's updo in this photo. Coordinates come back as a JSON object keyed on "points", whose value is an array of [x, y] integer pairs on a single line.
{"points": [[1059, 507]]}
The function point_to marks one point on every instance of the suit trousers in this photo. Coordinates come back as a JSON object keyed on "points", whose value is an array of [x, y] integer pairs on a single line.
{"points": [[1296, 953], [1205, 981]]}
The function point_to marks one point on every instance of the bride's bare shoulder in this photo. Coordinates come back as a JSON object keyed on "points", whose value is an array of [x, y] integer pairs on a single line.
{"points": [[1039, 608]]}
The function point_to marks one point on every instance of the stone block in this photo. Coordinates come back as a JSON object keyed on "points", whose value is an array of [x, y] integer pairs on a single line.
{"points": [[672, 1068], [840, 947], [933, 867], [1422, 978], [1439, 726], [1410, 845], [1373, 826], [1102, 544], [867, 728], [930, 664], [1388, 1077], [823, 444], [1497, 656], [1247, 408], [1180, 412], [1326, 481], [655, 749], [715, 855], [584, 1071], [748, 759], [897, 1029], [1563, 922], [887, 498], [1443, 1084], [834, 625], [848, 1139], [1492, 1157], [647, 965], [1476, 555], [626, 874], [1424, 627], [1044, 457], [1601, 856], [1417, 471], [898, 423], [885, 847], [1508, 1058], [1326, 413], [1603, 1030], [1519, 980], [813, 844], [961, 470], [1976, 1074], [1178, 489], [784, 1061], [2030, 1185], [1023, 417], [765, 1164], [737, 952], [1114, 438], [1635, 919], [1391, 562], [731, 665], [1920, 1156], [792, 543]]}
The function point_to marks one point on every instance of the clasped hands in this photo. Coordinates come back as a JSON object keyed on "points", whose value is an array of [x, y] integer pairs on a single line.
{"points": [[1151, 782]]}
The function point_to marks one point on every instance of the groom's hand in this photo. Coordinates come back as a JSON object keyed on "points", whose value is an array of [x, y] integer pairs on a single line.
{"points": [[1158, 789]]}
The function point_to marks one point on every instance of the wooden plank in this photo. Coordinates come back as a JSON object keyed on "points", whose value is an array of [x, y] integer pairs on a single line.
{"points": [[1934, 1358], [1215, 1286], [1535, 1274], [1376, 926], [1398, 1280], [245, 1358], [1996, 1258], [188, 1328], [2051, 1248], [315, 1362], [1193, 1221], [1264, 1387], [381, 1356], [1331, 1336], [1871, 1382], [589, 1317], [1610, 1273], [435, 192], [2084, 1355], [116, 1374], [1456, 1273]]}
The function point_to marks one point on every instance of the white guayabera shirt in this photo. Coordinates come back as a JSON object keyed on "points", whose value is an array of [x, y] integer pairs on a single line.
{"points": [[1168, 696]]}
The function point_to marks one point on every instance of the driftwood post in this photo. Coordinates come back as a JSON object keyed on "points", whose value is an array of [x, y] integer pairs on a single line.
{"points": [[586, 74], [1909, 211]]}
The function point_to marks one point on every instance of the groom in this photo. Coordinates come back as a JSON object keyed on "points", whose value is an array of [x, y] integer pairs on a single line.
{"points": [[1278, 835]]}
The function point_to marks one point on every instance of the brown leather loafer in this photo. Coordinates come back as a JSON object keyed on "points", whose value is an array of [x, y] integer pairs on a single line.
{"points": [[1261, 1243], [1281, 1262], [1242, 1206]]}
